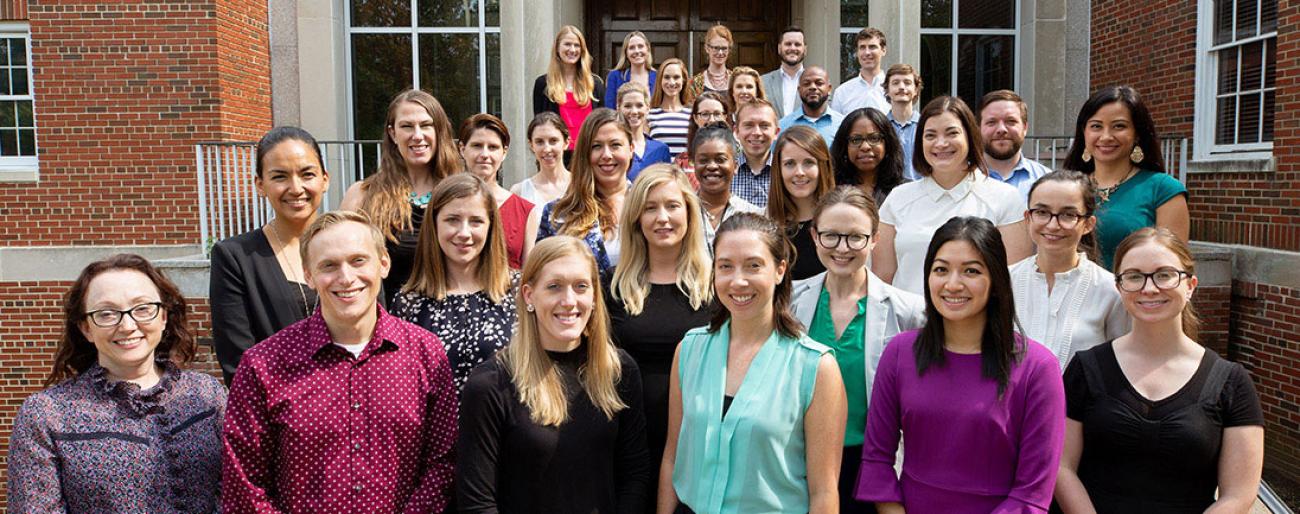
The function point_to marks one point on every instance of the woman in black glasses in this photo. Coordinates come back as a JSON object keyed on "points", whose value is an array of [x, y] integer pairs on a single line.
{"points": [[124, 428], [1156, 422], [867, 153]]}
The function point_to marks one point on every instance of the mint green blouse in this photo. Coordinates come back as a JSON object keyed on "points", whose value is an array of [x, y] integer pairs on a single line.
{"points": [[753, 460]]}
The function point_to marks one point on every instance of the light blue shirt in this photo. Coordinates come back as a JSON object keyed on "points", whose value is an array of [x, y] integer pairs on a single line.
{"points": [[907, 136], [1023, 175], [826, 125]]}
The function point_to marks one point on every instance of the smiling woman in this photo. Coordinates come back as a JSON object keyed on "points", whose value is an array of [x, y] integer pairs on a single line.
{"points": [[484, 142], [802, 176]]}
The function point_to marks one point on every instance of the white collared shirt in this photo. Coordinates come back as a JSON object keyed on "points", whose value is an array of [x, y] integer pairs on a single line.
{"points": [[917, 209], [857, 93], [790, 90], [1082, 311]]}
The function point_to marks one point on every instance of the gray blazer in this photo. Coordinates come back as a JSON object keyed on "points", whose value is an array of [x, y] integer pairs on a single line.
{"points": [[889, 311], [772, 86]]}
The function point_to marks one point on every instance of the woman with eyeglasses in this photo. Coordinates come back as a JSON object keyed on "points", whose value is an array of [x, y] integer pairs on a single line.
{"points": [[716, 77], [124, 428], [708, 108], [867, 153], [852, 312], [1156, 422], [1064, 300], [669, 117]]}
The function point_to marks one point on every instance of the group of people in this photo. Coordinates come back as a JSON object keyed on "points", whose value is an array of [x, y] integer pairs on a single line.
{"points": [[722, 297]]}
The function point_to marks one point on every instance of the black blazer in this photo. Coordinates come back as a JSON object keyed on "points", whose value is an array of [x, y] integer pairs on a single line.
{"points": [[250, 297], [543, 103]]}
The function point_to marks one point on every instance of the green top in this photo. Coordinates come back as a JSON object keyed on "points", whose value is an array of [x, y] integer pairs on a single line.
{"points": [[1131, 207], [850, 355]]}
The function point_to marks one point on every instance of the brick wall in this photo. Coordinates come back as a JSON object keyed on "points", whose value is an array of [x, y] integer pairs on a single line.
{"points": [[1266, 327]]}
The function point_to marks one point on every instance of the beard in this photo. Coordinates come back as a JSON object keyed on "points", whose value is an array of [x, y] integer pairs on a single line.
{"points": [[789, 62], [814, 104], [1004, 155]]}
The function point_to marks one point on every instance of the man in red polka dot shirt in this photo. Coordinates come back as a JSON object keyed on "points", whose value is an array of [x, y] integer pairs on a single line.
{"points": [[349, 410]]}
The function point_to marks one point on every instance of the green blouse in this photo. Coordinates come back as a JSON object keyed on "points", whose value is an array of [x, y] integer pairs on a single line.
{"points": [[850, 355], [1131, 207]]}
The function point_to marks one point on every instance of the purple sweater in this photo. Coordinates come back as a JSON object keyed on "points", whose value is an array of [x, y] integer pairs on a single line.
{"points": [[966, 451]]}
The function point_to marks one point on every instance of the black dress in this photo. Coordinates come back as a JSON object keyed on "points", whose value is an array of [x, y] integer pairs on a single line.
{"points": [[806, 263], [250, 297], [1156, 457], [401, 255], [651, 338], [589, 464]]}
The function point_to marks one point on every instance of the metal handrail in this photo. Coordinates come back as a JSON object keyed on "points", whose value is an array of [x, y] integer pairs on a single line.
{"points": [[1051, 152]]}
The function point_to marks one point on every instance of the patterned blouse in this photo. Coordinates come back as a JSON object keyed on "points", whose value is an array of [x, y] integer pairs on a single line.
{"points": [[471, 326], [606, 253], [91, 445]]}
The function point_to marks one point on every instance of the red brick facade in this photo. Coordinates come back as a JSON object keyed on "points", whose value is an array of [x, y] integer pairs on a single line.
{"points": [[1152, 46]]}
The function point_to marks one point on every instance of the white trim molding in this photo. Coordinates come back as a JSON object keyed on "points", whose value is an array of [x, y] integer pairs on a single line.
{"points": [[1205, 148]]}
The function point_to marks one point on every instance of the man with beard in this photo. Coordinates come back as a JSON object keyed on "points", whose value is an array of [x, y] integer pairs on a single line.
{"points": [[814, 91], [867, 88], [782, 84], [1004, 121]]}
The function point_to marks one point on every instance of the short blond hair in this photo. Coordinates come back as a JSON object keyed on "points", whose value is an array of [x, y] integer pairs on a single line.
{"points": [[332, 218]]}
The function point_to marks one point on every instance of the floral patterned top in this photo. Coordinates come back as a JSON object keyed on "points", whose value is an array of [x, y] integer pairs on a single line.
{"points": [[91, 445], [606, 254], [471, 326]]}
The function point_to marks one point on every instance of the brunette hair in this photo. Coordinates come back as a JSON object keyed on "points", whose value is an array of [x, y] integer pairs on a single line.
{"points": [[1003, 95], [889, 172], [1166, 238], [1143, 126], [852, 196], [905, 69], [684, 97], [868, 33], [583, 206], [484, 121], [277, 135], [1000, 346], [624, 63], [780, 206], [773, 237], [583, 83], [429, 269], [695, 107], [74, 354], [1088, 243], [387, 192], [974, 144]]}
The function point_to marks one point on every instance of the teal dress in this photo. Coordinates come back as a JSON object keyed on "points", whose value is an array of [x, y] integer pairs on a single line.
{"points": [[1131, 207], [753, 459]]}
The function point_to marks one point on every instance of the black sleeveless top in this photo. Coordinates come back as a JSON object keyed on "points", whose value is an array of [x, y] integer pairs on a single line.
{"points": [[401, 255]]}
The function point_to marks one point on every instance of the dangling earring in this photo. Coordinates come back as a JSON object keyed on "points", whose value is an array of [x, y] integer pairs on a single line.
{"points": [[529, 307], [1137, 154], [1087, 156]]}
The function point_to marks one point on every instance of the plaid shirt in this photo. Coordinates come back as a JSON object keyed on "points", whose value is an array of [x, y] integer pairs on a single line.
{"points": [[752, 186]]}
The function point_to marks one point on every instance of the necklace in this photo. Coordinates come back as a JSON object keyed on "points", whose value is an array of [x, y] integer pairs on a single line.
{"points": [[708, 211], [1103, 193], [284, 261], [717, 78]]}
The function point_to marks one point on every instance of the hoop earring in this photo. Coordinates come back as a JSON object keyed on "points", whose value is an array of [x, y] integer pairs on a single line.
{"points": [[1087, 156], [1137, 155]]}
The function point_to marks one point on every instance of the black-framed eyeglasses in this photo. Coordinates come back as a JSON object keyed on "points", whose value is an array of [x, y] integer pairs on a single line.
{"points": [[108, 318], [831, 240], [711, 115], [874, 139], [718, 49], [1067, 219], [1134, 281]]}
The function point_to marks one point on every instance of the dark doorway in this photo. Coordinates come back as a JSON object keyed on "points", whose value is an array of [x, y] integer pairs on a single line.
{"points": [[676, 29]]}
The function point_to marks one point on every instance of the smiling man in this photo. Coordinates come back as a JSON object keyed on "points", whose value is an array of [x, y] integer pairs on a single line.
{"points": [[867, 88], [1004, 121], [782, 84], [349, 410], [814, 94]]}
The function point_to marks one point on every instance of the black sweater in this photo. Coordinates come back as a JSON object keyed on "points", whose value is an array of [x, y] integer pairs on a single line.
{"points": [[543, 103]]}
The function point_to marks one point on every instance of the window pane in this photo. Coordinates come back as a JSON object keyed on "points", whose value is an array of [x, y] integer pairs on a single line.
{"points": [[1269, 99], [1222, 21], [1247, 13], [984, 64], [4, 81], [19, 81], [8, 114], [494, 74], [27, 142], [448, 13], [1252, 66], [1267, 16], [4, 50], [493, 15], [853, 13], [1248, 122], [1228, 70], [381, 13], [936, 66], [936, 14], [18, 51], [1224, 126], [986, 14], [449, 70], [381, 68], [848, 57], [25, 113], [1270, 53], [8, 143]]}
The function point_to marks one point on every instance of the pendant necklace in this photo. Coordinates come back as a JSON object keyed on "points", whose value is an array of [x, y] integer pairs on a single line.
{"points": [[285, 261]]}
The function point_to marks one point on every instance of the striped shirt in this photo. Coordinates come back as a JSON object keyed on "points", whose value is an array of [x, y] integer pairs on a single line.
{"points": [[670, 128]]}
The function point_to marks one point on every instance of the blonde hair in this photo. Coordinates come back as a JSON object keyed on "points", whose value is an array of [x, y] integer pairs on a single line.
{"points": [[533, 372], [387, 192], [582, 206], [623, 62], [745, 71], [685, 97], [332, 218], [632, 275], [583, 83], [429, 270], [780, 206]]}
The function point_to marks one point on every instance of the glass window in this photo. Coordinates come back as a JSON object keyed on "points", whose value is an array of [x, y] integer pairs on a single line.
{"points": [[1245, 51], [968, 47], [450, 48], [17, 121], [853, 18]]}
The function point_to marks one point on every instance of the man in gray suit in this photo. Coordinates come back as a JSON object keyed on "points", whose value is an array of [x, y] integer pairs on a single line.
{"points": [[782, 84]]}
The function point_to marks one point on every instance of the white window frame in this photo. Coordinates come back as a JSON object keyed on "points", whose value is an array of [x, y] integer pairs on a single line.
{"points": [[955, 32], [23, 168], [1207, 88], [414, 31]]}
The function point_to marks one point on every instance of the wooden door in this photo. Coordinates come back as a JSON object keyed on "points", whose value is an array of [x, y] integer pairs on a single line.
{"points": [[676, 28]]}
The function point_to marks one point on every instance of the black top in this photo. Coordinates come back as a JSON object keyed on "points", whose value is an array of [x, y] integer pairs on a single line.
{"points": [[471, 326], [543, 103], [590, 464], [250, 297], [806, 263], [1155, 457], [651, 338], [401, 256]]}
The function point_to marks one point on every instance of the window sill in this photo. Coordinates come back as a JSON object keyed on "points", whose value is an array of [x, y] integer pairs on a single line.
{"points": [[1232, 164], [19, 176]]}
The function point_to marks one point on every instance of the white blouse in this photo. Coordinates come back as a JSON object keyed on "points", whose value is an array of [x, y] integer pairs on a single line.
{"points": [[917, 209], [1083, 310]]}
